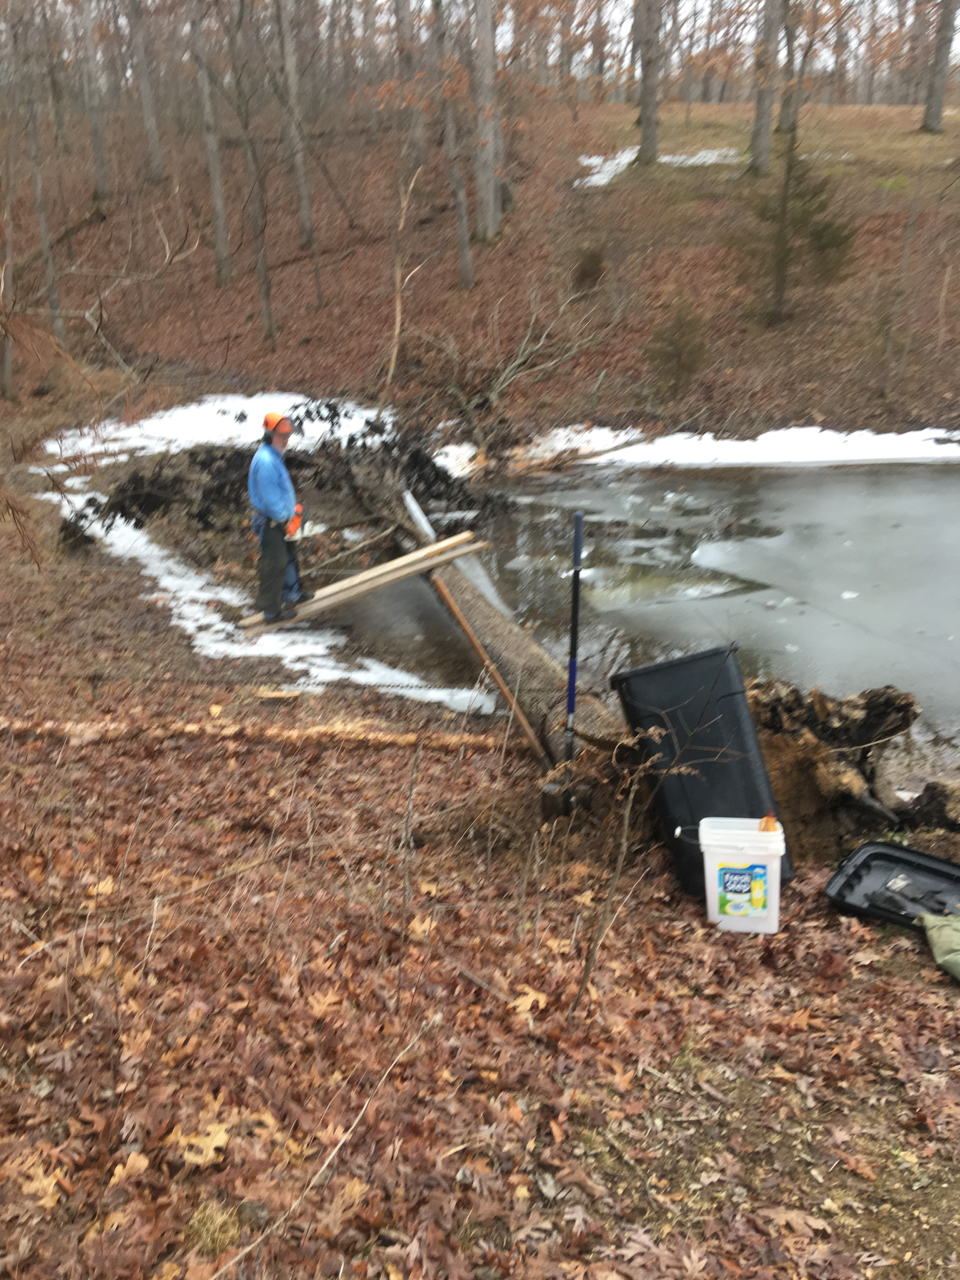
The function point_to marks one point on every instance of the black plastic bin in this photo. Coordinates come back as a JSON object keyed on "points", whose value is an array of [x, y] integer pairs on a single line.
{"points": [[696, 708], [893, 882]]}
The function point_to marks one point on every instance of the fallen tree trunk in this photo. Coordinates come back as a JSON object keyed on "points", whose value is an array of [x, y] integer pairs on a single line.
{"points": [[81, 733], [538, 682]]}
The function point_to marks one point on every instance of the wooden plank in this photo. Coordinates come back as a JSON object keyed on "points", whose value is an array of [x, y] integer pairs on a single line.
{"points": [[379, 570], [444, 592], [351, 589]]}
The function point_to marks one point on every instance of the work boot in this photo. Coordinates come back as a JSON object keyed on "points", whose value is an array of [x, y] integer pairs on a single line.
{"points": [[304, 596], [287, 610]]}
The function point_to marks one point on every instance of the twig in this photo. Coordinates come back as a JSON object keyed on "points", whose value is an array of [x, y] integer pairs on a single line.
{"points": [[399, 283], [406, 841], [274, 1227], [600, 931]]}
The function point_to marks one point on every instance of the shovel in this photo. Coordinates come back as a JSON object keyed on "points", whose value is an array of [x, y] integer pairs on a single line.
{"points": [[556, 800]]}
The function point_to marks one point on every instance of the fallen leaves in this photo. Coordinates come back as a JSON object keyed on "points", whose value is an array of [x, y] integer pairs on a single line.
{"points": [[229, 1019], [203, 1148], [137, 1163], [855, 1164], [44, 1187], [796, 1220]]}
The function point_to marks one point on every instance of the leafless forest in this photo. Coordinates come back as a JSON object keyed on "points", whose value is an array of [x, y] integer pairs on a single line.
{"points": [[379, 198]]}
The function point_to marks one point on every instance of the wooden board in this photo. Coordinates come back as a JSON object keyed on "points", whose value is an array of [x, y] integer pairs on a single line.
{"points": [[370, 575], [353, 588]]}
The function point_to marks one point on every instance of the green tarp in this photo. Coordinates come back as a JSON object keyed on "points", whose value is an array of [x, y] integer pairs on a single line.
{"points": [[943, 934]]}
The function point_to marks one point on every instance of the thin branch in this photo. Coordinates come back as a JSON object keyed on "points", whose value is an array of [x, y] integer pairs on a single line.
{"points": [[274, 1227]]}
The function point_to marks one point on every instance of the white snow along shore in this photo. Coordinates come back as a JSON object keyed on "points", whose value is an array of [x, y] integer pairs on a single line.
{"points": [[308, 652]]}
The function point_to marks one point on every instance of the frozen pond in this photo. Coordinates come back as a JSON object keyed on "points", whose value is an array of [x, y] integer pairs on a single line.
{"points": [[843, 577]]}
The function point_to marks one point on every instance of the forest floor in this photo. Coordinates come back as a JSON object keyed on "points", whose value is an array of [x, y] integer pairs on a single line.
{"points": [[229, 947]]}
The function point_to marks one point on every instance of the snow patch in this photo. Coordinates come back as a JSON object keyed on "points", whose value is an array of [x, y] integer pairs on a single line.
{"points": [[233, 421], [603, 169], [580, 439], [789, 447], [716, 155], [193, 598]]}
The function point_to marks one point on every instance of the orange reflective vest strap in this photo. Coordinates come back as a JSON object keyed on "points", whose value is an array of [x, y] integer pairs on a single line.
{"points": [[296, 520]]}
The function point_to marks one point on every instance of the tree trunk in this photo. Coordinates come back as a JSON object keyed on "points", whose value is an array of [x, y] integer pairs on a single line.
{"points": [[598, 39], [46, 249], [782, 245], [565, 66], [407, 69], [636, 28], [52, 61], [333, 21], [841, 47], [94, 105], [257, 221], [308, 235], [256, 201], [870, 54], [221, 239], [791, 90], [467, 277], [488, 122], [150, 127], [537, 680], [348, 50], [7, 295], [766, 85], [650, 55], [939, 74]]}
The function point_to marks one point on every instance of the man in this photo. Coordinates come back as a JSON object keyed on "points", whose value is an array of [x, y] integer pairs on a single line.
{"points": [[276, 514]]}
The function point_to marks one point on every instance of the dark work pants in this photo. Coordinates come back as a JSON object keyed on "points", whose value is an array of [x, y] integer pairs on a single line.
{"points": [[279, 572]]}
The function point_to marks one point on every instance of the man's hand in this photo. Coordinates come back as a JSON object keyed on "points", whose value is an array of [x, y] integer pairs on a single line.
{"points": [[293, 528]]}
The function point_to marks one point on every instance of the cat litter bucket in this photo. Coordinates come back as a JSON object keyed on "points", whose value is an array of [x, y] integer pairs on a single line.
{"points": [[741, 867]]}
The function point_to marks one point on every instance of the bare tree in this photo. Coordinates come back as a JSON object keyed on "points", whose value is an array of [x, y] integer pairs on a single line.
{"points": [[134, 15], [241, 98], [52, 65], [565, 66], [308, 235], [211, 139], [7, 292], [940, 71], [457, 189], [766, 85], [489, 209], [650, 59], [406, 69], [46, 249], [93, 98]]}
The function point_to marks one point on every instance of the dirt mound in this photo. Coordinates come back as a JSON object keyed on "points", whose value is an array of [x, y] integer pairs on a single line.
{"points": [[822, 755]]}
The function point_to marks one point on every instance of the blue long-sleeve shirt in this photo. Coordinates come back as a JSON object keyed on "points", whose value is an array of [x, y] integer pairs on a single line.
{"points": [[269, 485]]}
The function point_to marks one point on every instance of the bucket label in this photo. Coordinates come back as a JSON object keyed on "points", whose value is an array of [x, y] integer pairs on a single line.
{"points": [[742, 890]]}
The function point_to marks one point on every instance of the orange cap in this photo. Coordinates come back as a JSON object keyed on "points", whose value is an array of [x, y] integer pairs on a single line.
{"points": [[277, 422]]}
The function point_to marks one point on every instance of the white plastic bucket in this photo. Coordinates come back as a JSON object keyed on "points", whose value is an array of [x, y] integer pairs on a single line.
{"points": [[741, 867]]}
